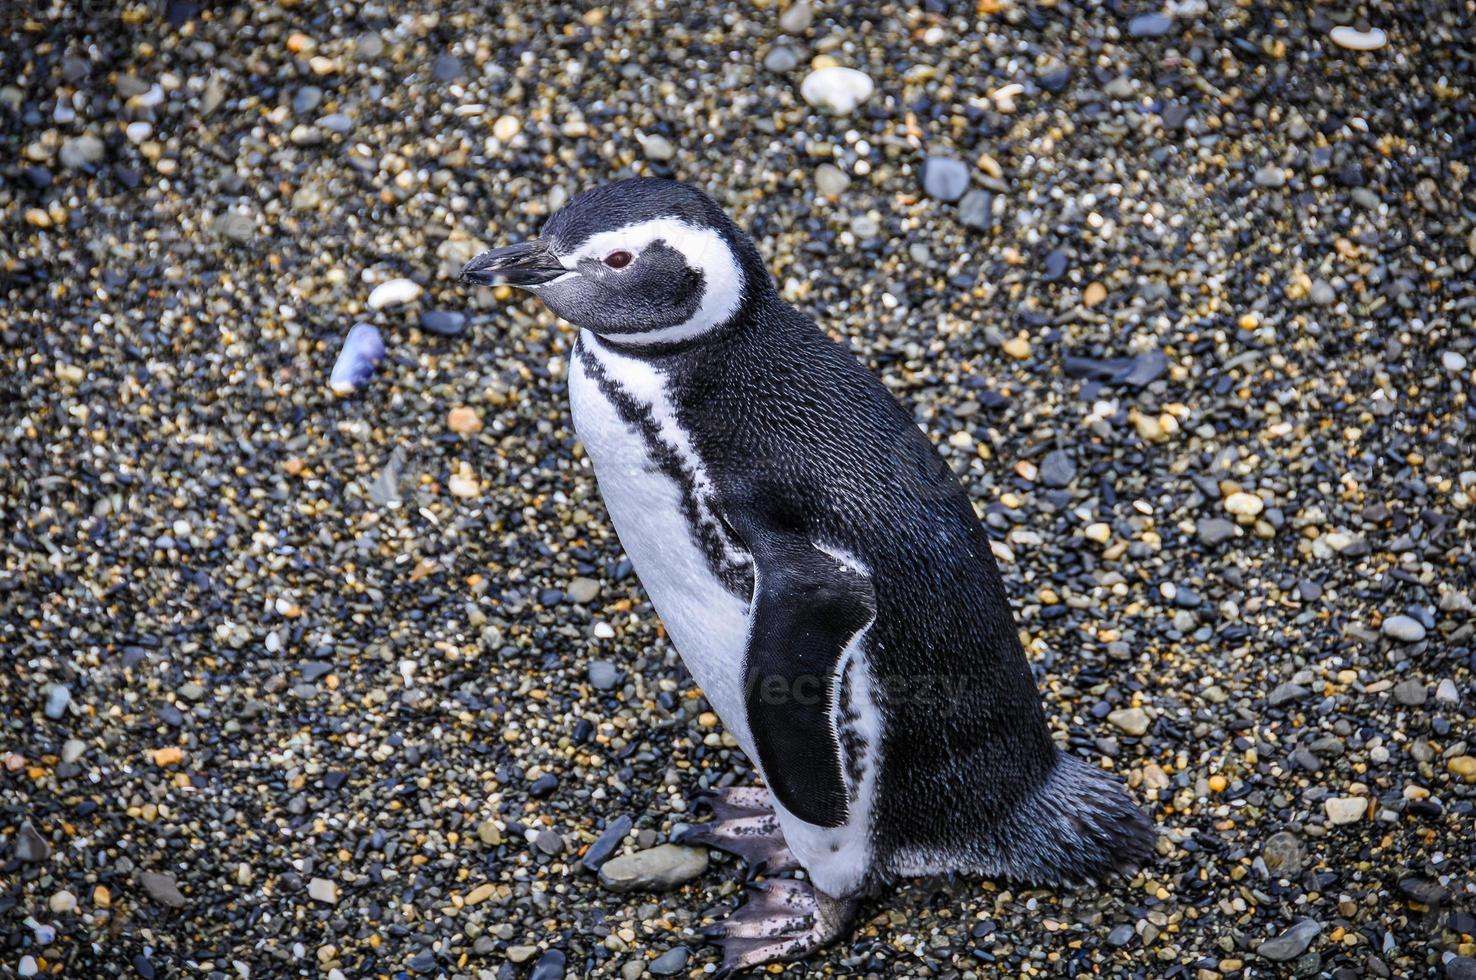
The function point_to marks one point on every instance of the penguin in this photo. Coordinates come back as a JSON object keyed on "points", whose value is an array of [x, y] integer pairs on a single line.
{"points": [[821, 572]]}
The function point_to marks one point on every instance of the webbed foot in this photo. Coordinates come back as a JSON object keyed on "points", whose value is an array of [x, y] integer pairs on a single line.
{"points": [[744, 825], [784, 919]]}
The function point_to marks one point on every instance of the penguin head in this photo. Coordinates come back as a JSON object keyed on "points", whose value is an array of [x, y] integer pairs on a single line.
{"points": [[640, 262]]}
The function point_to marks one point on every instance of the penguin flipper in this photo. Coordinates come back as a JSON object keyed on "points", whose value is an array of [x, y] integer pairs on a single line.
{"points": [[807, 608]]}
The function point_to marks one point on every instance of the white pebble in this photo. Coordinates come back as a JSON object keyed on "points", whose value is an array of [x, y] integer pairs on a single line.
{"points": [[1369, 40], [323, 890], [1243, 504], [63, 902], [137, 132], [28, 967], [1453, 361], [840, 90], [393, 293]]}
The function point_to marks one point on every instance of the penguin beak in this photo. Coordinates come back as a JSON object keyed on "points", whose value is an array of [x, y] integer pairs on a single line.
{"points": [[529, 263]]}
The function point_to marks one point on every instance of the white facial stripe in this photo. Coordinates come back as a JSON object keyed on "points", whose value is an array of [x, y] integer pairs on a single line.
{"points": [[702, 248]]}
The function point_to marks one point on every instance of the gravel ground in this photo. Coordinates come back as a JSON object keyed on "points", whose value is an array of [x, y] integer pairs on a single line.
{"points": [[312, 685]]}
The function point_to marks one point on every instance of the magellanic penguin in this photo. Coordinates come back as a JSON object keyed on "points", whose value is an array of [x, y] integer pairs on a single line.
{"points": [[819, 569]]}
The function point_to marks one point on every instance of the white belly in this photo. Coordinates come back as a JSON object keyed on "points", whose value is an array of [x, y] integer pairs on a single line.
{"points": [[708, 623]]}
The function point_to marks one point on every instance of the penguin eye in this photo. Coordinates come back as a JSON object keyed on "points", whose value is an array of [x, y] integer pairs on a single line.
{"points": [[618, 259]]}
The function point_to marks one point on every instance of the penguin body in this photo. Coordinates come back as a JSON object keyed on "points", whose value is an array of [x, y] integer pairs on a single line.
{"points": [[817, 565]]}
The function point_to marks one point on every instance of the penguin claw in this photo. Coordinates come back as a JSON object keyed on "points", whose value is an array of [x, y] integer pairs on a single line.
{"points": [[785, 919], [739, 829]]}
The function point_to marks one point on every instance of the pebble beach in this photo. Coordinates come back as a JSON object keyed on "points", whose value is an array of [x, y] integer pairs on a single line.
{"points": [[322, 659]]}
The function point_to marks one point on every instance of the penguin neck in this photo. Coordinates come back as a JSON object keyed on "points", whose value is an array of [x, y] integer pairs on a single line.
{"points": [[755, 312]]}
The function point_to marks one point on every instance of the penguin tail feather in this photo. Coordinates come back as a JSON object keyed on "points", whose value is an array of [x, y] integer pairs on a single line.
{"points": [[1079, 826]]}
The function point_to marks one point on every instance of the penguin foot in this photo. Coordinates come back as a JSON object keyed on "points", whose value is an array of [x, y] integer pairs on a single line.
{"points": [[744, 825], [785, 919]]}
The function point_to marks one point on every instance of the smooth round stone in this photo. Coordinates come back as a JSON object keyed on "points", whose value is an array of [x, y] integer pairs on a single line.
{"points": [[1150, 25], [447, 68], [362, 350], [506, 127], [1405, 629], [1356, 40], [336, 122], [657, 147], [781, 58], [839, 90], [137, 132], [306, 99], [864, 226], [445, 323], [603, 675], [62, 902], [1121, 935], [831, 180], [944, 178], [57, 700], [1453, 361], [393, 293], [1322, 293], [28, 967], [670, 962], [797, 18]]}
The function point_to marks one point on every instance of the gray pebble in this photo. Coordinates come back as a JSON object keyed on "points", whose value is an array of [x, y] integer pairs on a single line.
{"points": [[657, 869], [1405, 629], [944, 178], [234, 226], [162, 889], [1291, 943], [976, 210], [30, 846], [1150, 25], [58, 697], [306, 99], [445, 323], [603, 675], [336, 122], [1411, 693], [1214, 530], [781, 58], [1121, 935], [670, 962], [1058, 469], [1284, 694], [447, 68]]}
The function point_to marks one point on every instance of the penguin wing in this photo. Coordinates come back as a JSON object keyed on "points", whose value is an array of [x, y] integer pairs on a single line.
{"points": [[807, 607]]}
